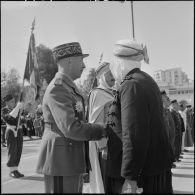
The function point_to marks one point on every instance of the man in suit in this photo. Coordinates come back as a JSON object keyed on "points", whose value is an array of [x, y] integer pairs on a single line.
{"points": [[14, 135], [63, 157], [146, 155]]}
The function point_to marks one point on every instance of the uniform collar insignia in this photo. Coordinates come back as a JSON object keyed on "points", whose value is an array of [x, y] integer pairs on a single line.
{"points": [[68, 81]]}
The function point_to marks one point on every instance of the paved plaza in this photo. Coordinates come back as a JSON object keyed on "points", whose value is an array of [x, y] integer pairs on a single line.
{"points": [[183, 175]]}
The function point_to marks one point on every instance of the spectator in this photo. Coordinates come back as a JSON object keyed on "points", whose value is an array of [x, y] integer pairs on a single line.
{"points": [[29, 126], [188, 140], [37, 125]]}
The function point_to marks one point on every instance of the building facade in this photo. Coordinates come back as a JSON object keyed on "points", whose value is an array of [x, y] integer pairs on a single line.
{"points": [[176, 84]]}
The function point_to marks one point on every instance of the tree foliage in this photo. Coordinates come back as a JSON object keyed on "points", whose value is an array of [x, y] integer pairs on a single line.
{"points": [[47, 65], [10, 83]]}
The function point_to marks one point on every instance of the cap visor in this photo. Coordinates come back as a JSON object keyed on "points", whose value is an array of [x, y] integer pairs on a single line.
{"points": [[85, 55]]}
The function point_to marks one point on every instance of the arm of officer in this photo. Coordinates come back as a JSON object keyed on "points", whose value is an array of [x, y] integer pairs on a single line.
{"points": [[60, 104]]}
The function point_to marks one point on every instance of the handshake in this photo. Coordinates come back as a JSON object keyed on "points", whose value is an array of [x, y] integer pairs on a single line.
{"points": [[107, 131]]}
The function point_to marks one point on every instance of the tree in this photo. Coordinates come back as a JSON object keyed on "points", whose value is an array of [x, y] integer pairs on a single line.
{"points": [[47, 65], [10, 83]]}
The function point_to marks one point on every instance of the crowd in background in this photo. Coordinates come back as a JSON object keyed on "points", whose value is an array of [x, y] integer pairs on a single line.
{"points": [[32, 124], [179, 122]]}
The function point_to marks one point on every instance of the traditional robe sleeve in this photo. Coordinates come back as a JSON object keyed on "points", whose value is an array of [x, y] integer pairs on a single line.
{"points": [[135, 131], [96, 113]]}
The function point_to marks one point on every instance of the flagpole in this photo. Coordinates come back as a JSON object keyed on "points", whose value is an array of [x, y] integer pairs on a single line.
{"points": [[132, 17]]}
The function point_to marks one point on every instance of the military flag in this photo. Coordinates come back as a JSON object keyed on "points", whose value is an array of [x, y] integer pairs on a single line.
{"points": [[31, 79]]}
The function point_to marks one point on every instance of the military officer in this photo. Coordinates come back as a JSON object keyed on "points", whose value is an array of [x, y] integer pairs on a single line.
{"points": [[14, 135], [63, 157]]}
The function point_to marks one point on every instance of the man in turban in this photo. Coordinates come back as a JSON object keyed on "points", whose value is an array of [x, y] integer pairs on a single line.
{"points": [[146, 155]]}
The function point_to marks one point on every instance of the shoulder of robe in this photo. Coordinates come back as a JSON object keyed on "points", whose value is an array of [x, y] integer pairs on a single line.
{"points": [[59, 82], [127, 78]]}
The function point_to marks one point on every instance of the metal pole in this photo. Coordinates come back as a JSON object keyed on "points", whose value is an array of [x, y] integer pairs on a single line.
{"points": [[132, 20]]}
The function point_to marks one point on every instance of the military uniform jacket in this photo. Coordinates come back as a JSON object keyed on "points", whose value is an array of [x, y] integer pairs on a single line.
{"points": [[145, 143], [63, 144]]}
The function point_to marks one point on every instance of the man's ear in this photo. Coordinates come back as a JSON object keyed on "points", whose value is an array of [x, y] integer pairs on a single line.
{"points": [[69, 63]]}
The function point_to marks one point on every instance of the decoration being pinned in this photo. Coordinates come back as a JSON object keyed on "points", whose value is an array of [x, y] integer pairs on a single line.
{"points": [[79, 106]]}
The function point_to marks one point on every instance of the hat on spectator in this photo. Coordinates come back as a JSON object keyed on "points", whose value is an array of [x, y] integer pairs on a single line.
{"points": [[163, 92], [66, 50], [173, 101], [131, 49], [104, 66], [7, 98]]}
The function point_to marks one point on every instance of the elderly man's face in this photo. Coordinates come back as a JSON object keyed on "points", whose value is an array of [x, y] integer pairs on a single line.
{"points": [[76, 67], [175, 106], [109, 79]]}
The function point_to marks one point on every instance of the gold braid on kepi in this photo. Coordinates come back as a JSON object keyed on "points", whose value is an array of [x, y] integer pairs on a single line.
{"points": [[68, 50]]}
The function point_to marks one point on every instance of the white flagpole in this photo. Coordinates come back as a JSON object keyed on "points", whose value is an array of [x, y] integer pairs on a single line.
{"points": [[132, 16]]}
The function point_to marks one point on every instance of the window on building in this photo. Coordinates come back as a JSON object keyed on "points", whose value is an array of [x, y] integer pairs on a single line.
{"points": [[178, 92]]}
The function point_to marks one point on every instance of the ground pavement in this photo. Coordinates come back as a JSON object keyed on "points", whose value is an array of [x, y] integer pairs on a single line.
{"points": [[183, 175]]}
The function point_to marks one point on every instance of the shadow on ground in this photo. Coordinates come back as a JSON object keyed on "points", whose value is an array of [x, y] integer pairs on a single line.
{"points": [[181, 192], [36, 178], [183, 175]]}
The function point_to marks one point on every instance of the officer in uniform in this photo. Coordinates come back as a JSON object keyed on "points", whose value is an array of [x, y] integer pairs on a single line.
{"points": [[3, 128], [63, 157], [14, 135]]}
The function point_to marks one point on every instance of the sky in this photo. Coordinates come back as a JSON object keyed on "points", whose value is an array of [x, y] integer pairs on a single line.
{"points": [[166, 27]]}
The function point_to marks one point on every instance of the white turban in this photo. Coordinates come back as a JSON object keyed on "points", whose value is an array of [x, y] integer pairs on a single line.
{"points": [[128, 55]]}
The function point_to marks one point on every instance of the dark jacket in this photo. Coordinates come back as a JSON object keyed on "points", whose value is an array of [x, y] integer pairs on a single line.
{"points": [[146, 148]]}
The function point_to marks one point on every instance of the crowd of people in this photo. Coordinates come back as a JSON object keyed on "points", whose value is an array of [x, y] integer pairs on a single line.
{"points": [[129, 136], [31, 124], [179, 121]]}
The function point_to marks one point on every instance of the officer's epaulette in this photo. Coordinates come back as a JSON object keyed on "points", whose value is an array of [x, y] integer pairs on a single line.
{"points": [[58, 82]]}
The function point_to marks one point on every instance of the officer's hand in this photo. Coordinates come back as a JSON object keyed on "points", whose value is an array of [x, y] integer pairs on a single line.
{"points": [[104, 153], [108, 130], [20, 105]]}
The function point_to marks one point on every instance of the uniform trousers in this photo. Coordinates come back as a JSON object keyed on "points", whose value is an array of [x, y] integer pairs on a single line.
{"points": [[63, 184], [14, 147], [161, 183], [3, 128]]}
